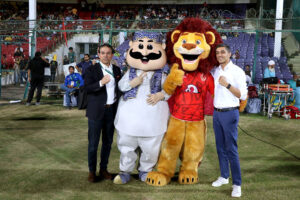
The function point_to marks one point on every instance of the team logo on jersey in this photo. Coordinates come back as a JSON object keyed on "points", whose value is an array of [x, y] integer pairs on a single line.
{"points": [[203, 77], [191, 88]]}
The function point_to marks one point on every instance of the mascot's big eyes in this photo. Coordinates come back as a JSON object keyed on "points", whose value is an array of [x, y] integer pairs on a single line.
{"points": [[183, 41], [150, 47], [198, 42], [141, 46]]}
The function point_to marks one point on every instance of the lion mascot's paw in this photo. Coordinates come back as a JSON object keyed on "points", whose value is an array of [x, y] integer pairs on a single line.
{"points": [[174, 79], [243, 104], [188, 177], [176, 75], [157, 179]]}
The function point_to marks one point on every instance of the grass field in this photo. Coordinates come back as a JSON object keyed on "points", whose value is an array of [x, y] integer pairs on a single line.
{"points": [[43, 155]]}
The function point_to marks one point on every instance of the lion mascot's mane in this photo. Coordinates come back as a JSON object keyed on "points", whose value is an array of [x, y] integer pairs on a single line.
{"points": [[200, 26]]}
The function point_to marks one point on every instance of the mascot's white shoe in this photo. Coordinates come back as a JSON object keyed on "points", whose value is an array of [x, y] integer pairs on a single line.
{"points": [[122, 178], [220, 181]]}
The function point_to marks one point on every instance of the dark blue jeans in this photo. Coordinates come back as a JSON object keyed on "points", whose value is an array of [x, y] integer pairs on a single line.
{"points": [[106, 125], [23, 76], [68, 91], [226, 134]]}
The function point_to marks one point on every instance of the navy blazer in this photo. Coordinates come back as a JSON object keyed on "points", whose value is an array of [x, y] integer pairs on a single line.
{"points": [[96, 95]]}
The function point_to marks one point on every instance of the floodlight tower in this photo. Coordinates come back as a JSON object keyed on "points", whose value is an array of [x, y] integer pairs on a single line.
{"points": [[278, 26], [32, 24]]}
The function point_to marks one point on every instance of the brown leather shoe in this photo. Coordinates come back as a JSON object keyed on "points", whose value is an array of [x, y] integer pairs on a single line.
{"points": [[92, 177], [104, 174]]}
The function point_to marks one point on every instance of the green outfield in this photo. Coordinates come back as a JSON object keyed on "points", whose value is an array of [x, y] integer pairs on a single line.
{"points": [[43, 155]]}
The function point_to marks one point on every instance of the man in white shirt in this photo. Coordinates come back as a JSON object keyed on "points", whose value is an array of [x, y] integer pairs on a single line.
{"points": [[101, 84], [230, 87]]}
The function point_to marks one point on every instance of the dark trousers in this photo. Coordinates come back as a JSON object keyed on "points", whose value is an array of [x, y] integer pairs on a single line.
{"points": [[226, 134], [23, 76], [106, 125], [52, 77], [35, 83]]}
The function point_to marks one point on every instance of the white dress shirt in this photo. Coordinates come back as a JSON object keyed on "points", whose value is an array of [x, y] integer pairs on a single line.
{"points": [[110, 86], [236, 77], [135, 117]]}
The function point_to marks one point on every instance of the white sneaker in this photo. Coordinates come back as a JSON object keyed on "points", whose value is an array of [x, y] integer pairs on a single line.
{"points": [[236, 191], [220, 181]]}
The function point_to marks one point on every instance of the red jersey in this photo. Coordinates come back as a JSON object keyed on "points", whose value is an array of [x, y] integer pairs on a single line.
{"points": [[187, 102]]}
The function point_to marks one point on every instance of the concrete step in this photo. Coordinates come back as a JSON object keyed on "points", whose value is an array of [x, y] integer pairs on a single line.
{"points": [[296, 68], [294, 60], [290, 44], [297, 71]]}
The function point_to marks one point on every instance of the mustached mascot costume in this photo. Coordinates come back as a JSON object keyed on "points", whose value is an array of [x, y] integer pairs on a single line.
{"points": [[191, 53], [143, 112]]}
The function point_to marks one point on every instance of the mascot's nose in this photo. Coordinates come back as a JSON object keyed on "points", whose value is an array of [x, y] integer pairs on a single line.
{"points": [[144, 51], [189, 46]]}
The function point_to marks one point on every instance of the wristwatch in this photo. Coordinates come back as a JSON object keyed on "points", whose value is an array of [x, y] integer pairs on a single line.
{"points": [[228, 86]]}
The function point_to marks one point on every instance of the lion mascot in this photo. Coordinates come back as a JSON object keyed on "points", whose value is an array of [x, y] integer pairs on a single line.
{"points": [[191, 53], [143, 112]]}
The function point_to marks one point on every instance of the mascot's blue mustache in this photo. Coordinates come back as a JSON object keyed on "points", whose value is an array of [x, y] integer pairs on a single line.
{"points": [[150, 56]]}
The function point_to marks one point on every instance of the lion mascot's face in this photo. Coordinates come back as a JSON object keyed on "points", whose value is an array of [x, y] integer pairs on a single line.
{"points": [[190, 48], [192, 44], [146, 52]]}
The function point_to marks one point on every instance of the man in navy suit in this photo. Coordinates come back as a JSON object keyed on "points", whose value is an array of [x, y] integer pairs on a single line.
{"points": [[101, 84]]}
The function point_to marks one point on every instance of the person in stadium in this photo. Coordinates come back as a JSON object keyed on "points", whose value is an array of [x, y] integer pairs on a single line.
{"points": [[270, 70], [19, 49], [66, 60], [230, 87], [101, 84], [248, 73], [16, 68], [18, 53], [23, 65], [82, 66], [293, 82], [236, 55], [71, 55], [53, 68], [72, 83], [224, 36], [4, 61], [36, 70]]}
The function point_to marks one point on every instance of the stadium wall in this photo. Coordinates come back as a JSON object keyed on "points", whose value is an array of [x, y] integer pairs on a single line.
{"points": [[296, 13], [78, 38]]}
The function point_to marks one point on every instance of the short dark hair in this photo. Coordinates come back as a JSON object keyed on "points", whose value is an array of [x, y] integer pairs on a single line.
{"points": [[87, 54], [71, 48], [224, 45], [38, 54], [71, 67], [106, 45]]}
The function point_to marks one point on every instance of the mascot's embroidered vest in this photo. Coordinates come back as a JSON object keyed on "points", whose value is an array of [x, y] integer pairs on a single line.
{"points": [[155, 83]]}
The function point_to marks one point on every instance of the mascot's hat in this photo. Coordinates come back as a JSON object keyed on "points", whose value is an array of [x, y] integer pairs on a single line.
{"points": [[157, 37]]}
